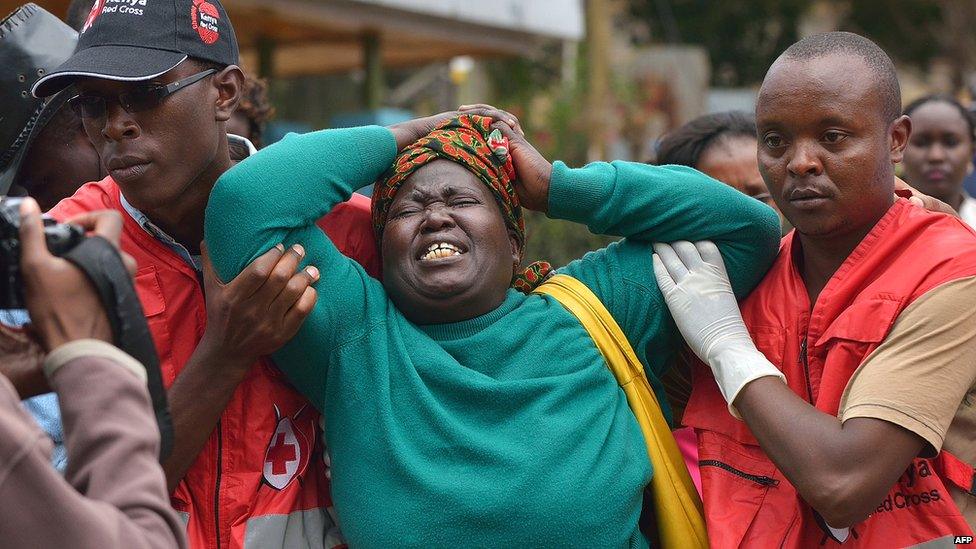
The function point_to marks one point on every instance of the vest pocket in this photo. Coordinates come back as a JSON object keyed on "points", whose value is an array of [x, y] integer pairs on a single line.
{"points": [[867, 321], [154, 308], [761, 480], [150, 295], [735, 482]]}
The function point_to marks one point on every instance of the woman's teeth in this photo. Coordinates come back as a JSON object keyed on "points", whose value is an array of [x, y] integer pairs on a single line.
{"points": [[440, 250]]}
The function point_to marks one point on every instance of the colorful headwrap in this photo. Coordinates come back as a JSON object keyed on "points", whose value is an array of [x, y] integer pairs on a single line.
{"points": [[468, 140]]}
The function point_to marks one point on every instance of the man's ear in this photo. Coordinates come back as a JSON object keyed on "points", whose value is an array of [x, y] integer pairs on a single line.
{"points": [[899, 131], [230, 88]]}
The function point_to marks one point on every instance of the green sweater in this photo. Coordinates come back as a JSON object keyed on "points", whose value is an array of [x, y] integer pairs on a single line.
{"points": [[502, 430]]}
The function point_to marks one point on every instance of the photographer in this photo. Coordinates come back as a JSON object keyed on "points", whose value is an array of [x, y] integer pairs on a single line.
{"points": [[114, 492], [47, 156]]}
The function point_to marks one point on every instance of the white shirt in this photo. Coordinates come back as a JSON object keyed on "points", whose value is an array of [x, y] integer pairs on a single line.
{"points": [[967, 210]]}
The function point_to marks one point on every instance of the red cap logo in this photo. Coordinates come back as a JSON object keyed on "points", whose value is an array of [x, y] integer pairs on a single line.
{"points": [[96, 10], [204, 17]]}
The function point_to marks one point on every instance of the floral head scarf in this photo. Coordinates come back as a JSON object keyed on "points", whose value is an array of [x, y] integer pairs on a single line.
{"points": [[469, 141]]}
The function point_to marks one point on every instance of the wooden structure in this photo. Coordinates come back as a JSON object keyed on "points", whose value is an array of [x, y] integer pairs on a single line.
{"points": [[297, 37]]}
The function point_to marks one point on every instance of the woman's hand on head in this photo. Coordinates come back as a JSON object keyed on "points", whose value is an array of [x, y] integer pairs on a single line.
{"points": [[495, 114], [412, 130], [531, 168]]}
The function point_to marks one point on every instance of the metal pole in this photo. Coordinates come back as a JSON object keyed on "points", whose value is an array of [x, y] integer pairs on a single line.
{"points": [[598, 28], [373, 84], [266, 49]]}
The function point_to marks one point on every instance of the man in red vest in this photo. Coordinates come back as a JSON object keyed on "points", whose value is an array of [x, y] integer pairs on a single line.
{"points": [[838, 409], [157, 82]]}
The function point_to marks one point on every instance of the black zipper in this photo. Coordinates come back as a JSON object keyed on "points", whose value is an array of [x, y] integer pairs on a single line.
{"points": [[806, 369], [758, 479], [220, 439], [220, 447]]}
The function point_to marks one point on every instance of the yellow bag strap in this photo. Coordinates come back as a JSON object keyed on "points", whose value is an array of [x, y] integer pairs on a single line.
{"points": [[677, 507]]}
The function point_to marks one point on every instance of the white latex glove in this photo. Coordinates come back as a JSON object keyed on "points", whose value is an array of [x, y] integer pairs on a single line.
{"points": [[697, 291]]}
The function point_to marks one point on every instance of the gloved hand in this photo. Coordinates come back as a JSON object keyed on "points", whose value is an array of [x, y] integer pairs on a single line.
{"points": [[697, 291]]}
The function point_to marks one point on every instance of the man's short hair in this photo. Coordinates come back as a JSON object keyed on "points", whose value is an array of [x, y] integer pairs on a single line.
{"points": [[820, 45], [204, 65]]}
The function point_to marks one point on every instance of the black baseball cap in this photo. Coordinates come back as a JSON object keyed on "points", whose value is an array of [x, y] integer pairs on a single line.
{"points": [[135, 40]]}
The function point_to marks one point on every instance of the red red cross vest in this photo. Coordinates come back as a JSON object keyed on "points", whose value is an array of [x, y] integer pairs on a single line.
{"points": [[748, 501], [259, 480]]}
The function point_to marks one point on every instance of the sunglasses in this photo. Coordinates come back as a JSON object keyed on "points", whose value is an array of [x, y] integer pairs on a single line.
{"points": [[137, 100]]}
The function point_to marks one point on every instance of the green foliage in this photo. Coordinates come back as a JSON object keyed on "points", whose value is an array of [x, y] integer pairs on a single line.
{"points": [[906, 29], [742, 38], [552, 113], [558, 242]]}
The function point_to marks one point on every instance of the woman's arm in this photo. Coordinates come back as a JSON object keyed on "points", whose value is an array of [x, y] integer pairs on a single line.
{"points": [[669, 203], [645, 203], [276, 196], [651, 203], [290, 185], [286, 188]]}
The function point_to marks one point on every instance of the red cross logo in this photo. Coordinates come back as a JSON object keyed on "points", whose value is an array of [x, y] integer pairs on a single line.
{"points": [[289, 449], [279, 454]]}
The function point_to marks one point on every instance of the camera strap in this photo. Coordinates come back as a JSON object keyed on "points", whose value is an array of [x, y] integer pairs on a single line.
{"points": [[104, 267]]}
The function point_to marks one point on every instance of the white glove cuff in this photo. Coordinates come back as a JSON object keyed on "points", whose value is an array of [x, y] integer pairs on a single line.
{"points": [[736, 367]]}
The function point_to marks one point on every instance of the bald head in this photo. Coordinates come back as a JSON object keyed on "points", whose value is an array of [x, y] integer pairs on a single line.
{"points": [[882, 70]]}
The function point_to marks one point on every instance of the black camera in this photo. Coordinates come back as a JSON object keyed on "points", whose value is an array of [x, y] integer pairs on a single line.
{"points": [[60, 238]]}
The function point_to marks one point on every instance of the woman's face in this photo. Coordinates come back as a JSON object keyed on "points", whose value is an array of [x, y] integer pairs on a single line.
{"points": [[733, 161], [447, 253], [939, 152]]}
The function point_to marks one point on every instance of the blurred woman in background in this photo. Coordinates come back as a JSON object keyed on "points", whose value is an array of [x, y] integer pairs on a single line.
{"points": [[940, 152], [721, 145], [253, 112]]}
